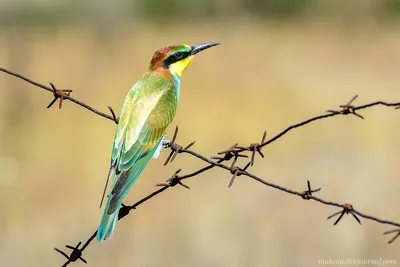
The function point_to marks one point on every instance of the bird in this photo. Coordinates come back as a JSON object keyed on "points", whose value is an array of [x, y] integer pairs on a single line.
{"points": [[147, 111]]}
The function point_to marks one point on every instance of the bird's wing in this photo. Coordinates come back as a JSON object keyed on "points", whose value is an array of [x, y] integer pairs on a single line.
{"points": [[143, 124], [135, 110]]}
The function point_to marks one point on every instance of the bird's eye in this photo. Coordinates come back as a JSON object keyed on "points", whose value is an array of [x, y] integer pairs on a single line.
{"points": [[178, 55]]}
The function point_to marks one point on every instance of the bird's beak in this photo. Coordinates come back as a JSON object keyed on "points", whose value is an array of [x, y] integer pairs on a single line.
{"points": [[200, 47]]}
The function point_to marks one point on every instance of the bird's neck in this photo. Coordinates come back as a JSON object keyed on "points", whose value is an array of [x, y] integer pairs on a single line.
{"points": [[167, 74]]}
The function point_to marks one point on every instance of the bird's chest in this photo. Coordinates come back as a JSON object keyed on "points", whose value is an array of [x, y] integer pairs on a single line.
{"points": [[165, 109]]}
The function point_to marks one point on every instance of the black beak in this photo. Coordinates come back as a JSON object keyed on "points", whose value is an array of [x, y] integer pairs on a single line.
{"points": [[200, 47]]}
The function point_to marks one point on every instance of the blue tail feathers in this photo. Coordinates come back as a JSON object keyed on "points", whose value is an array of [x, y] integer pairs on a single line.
{"points": [[107, 225], [121, 185]]}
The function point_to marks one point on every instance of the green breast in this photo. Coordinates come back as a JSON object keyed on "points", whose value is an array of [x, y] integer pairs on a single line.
{"points": [[166, 108]]}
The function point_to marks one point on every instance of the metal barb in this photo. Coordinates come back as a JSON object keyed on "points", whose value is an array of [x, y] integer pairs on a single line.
{"points": [[348, 108], [231, 152], [236, 171], [59, 94], [347, 208], [350, 101], [124, 211], [308, 194], [397, 231], [173, 181], [255, 148], [172, 144], [175, 148], [75, 254], [115, 118]]}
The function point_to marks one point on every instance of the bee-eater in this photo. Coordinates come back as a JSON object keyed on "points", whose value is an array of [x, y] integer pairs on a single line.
{"points": [[148, 110]]}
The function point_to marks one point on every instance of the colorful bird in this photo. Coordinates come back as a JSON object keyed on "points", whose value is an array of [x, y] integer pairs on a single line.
{"points": [[147, 112]]}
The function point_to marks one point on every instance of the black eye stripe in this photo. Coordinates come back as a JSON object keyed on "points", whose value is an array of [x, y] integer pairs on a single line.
{"points": [[175, 57]]}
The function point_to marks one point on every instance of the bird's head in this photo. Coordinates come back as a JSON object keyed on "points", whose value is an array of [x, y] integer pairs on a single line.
{"points": [[176, 58]]}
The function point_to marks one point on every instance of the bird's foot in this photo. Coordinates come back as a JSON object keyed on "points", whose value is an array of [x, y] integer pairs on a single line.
{"points": [[166, 143]]}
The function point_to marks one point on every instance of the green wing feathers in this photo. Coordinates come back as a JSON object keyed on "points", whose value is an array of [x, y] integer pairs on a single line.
{"points": [[145, 117]]}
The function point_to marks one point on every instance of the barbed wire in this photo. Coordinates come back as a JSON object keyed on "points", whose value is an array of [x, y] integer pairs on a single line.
{"points": [[232, 154]]}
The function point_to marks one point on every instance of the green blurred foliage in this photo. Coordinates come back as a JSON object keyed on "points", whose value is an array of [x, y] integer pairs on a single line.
{"points": [[391, 7], [276, 8], [160, 11], [30, 12]]}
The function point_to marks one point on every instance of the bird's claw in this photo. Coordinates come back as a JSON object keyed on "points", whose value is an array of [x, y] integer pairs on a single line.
{"points": [[166, 143]]}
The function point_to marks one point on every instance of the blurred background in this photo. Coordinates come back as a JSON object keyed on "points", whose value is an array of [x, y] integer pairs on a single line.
{"points": [[280, 62]]}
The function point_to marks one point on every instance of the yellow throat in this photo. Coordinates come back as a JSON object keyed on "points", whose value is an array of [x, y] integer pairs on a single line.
{"points": [[179, 67]]}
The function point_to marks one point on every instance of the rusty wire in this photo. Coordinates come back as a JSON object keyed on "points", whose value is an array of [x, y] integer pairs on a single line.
{"points": [[56, 95], [234, 152]]}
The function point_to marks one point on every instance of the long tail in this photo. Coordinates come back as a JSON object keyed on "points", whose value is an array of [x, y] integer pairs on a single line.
{"points": [[122, 183], [107, 224]]}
